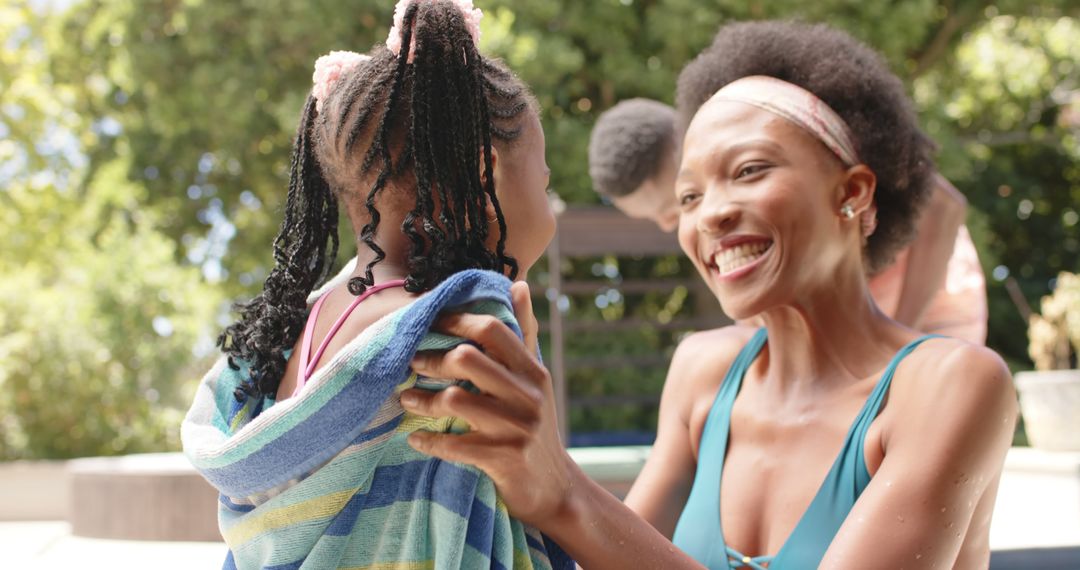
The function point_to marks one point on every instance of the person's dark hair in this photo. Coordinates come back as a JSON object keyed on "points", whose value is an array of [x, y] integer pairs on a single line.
{"points": [[628, 144], [426, 126], [856, 83]]}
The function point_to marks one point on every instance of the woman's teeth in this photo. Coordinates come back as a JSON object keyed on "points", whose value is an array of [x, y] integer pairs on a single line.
{"points": [[733, 258]]}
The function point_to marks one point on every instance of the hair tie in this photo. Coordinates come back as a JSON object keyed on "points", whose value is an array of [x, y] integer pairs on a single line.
{"points": [[328, 71], [471, 15]]}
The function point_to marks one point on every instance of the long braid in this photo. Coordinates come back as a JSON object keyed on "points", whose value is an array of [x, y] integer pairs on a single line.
{"points": [[380, 150], [420, 130], [447, 136], [304, 248]]}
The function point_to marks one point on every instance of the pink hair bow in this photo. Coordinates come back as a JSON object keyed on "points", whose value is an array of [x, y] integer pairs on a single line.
{"points": [[471, 14], [328, 71]]}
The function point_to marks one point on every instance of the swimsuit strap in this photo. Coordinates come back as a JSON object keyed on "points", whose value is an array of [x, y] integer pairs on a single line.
{"points": [[307, 362]]}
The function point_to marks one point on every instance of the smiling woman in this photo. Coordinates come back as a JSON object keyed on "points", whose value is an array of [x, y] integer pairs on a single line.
{"points": [[833, 437], [772, 153]]}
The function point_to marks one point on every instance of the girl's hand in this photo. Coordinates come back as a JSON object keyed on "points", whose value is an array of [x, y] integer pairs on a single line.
{"points": [[514, 436]]}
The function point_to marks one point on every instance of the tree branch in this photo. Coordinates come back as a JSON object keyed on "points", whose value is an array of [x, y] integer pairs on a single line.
{"points": [[957, 20]]}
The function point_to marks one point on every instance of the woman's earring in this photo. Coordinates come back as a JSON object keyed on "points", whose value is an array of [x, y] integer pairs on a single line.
{"points": [[848, 211]]}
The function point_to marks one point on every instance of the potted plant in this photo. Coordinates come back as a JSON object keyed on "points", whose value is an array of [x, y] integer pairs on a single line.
{"points": [[1050, 395]]}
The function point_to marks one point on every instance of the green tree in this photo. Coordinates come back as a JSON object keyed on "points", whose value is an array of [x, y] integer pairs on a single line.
{"points": [[170, 121], [99, 326]]}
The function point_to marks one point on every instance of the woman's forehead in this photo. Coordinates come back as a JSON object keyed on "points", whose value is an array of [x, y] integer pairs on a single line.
{"points": [[721, 125]]}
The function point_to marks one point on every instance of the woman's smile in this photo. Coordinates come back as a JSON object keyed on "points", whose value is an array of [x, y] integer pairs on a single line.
{"points": [[738, 258]]}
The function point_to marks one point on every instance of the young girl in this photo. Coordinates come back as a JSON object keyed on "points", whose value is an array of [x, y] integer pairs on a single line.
{"points": [[437, 155]]}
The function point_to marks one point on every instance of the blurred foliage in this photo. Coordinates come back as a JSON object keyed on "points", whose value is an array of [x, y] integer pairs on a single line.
{"points": [[1055, 331], [144, 143], [98, 322]]}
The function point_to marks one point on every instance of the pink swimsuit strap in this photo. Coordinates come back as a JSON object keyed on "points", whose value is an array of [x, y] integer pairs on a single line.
{"points": [[307, 363]]}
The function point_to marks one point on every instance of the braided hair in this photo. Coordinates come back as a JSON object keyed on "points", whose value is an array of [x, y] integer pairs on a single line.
{"points": [[417, 123]]}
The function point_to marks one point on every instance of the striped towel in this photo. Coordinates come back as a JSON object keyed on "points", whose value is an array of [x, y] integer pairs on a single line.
{"points": [[327, 480]]}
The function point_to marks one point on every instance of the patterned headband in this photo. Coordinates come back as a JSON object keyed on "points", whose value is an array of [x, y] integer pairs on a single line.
{"points": [[798, 106]]}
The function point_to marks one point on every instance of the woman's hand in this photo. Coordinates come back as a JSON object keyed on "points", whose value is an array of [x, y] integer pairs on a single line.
{"points": [[514, 436]]}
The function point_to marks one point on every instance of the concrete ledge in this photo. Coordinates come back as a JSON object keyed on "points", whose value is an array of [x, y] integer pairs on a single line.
{"points": [[161, 497], [1038, 501], [156, 496], [33, 491], [615, 468]]}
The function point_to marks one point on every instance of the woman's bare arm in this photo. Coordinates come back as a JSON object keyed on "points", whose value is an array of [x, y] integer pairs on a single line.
{"points": [[946, 448], [661, 489]]}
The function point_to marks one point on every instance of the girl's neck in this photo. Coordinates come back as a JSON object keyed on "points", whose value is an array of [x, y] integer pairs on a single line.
{"points": [[389, 269], [394, 244]]}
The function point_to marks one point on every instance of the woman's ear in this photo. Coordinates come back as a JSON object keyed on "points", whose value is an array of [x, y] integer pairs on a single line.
{"points": [[857, 197], [858, 188]]}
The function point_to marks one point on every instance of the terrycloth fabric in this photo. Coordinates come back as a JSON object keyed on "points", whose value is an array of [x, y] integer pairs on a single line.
{"points": [[327, 480]]}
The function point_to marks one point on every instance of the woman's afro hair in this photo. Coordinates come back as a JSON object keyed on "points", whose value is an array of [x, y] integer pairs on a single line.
{"points": [[854, 81]]}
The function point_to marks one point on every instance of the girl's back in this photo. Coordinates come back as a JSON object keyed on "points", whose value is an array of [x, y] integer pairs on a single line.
{"points": [[420, 142]]}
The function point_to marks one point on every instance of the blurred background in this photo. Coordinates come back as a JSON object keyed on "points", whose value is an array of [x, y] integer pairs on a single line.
{"points": [[143, 154], [144, 147]]}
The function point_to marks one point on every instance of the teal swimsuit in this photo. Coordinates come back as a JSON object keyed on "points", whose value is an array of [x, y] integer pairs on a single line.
{"points": [[698, 532]]}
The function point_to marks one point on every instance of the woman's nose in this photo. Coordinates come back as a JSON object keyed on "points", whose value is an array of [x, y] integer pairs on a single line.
{"points": [[718, 213]]}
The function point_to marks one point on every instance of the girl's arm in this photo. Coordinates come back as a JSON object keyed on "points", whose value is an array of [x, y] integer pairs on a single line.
{"points": [[515, 440], [944, 451]]}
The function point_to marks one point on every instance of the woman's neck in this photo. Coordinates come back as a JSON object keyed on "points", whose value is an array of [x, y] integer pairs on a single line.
{"points": [[835, 334]]}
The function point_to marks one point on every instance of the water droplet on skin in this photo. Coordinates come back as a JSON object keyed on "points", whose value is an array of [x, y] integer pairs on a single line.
{"points": [[942, 509], [918, 556], [888, 483], [950, 525], [899, 519]]}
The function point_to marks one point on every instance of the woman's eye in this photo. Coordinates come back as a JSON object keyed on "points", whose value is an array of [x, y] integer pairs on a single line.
{"points": [[687, 198], [751, 169]]}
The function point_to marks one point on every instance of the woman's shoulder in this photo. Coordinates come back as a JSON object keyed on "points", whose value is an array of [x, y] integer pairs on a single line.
{"points": [[703, 358], [948, 377], [945, 359]]}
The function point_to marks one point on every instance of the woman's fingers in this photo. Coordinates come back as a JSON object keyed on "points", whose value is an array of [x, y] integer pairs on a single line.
{"points": [[482, 412], [467, 362], [469, 448], [493, 336]]}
